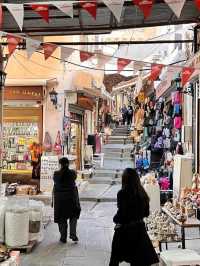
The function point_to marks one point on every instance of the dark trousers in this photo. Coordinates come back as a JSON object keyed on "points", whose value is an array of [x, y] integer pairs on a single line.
{"points": [[64, 226]]}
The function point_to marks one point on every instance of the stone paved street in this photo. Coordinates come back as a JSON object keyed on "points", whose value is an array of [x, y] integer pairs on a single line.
{"points": [[95, 227]]}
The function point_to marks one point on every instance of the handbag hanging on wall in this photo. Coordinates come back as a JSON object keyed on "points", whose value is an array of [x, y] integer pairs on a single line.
{"points": [[58, 145], [47, 145]]}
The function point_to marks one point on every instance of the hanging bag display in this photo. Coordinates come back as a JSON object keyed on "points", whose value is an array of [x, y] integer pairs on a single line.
{"points": [[47, 145], [178, 122], [57, 145]]}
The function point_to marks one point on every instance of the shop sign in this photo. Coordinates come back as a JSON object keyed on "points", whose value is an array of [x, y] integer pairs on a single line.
{"points": [[23, 93]]}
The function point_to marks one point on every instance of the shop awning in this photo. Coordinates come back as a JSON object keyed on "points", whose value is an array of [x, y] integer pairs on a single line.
{"points": [[31, 82], [86, 102]]}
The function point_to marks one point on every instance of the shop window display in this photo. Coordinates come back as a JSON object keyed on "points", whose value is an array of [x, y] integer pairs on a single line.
{"points": [[17, 138]]}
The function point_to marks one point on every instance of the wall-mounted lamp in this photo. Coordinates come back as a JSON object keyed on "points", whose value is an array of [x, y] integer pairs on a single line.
{"points": [[53, 97]]}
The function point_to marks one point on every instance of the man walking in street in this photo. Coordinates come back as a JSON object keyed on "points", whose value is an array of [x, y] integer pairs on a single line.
{"points": [[124, 114]]}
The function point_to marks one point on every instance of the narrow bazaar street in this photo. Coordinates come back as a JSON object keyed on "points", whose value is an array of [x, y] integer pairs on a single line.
{"points": [[95, 227], [98, 202]]}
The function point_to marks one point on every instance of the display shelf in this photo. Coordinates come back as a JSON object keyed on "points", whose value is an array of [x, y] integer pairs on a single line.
{"points": [[7, 171], [189, 223], [17, 137]]}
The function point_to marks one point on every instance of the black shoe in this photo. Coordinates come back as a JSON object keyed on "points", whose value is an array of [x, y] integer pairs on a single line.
{"points": [[74, 238], [62, 240]]}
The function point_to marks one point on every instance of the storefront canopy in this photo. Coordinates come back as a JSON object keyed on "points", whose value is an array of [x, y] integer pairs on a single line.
{"points": [[60, 24]]}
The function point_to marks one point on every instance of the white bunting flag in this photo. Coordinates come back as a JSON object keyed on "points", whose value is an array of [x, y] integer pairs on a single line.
{"points": [[17, 10], [31, 46], [139, 84], [102, 60], [176, 6], [137, 65], [115, 7], [66, 52], [65, 6]]}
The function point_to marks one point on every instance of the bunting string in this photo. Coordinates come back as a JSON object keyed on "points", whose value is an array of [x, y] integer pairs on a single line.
{"points": [[32, 45]]}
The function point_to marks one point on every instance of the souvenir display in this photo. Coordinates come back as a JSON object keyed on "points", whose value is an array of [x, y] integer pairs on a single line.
{"points": [[176, 210], [17, 137], [160, 227]]}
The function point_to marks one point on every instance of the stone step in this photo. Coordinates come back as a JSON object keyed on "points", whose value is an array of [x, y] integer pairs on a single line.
{"points": [[119, 159], [119, 141], [118, 137], [98, 180]]}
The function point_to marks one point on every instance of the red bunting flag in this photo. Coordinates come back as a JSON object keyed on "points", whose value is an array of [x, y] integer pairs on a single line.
{"points": [[155, 71], [84, 56], [197, 2], [145, 6], [1, 16], [13, 41], [48, 48], [186, 74], [90, 7], [122, 63], [42, 10]]}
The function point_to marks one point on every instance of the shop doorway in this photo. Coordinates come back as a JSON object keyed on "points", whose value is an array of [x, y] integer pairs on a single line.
{"points": [[76, 140]]}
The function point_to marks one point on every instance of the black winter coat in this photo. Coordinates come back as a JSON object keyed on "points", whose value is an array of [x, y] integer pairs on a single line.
{"points": [[131, 242], [66, 198]]}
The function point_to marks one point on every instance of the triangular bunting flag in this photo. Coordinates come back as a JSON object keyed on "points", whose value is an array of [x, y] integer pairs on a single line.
{"points": [[155, 71], [17, 10], [122, 63], [197, 2], [145, 6], [115, 7], [139, 84], [102, 59], [13, 41], [31, 46], [176, 6], [66, 52], [65, 6], [90, 7], [186, 74], [137, 65], [48, 48], [1, 16], [42, 10], [84, 56]]}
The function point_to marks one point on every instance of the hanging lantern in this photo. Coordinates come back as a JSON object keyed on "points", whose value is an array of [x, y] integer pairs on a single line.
{"points": [[54, 97]]}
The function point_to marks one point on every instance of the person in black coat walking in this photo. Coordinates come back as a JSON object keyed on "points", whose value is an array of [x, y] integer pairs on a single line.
{"points": [[131, 242], [66, 200]]}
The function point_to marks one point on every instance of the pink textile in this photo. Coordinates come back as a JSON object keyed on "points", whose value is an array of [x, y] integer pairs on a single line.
{"points": [[164, 183], [98, 144], [176, 97], [178, 122]]}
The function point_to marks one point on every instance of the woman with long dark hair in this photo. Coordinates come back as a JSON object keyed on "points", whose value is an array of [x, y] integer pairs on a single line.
{"points": [[131, 242], [66, 201]]}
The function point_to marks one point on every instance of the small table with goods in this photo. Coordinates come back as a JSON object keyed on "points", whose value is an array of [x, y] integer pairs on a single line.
{"points": [[187, 222]]}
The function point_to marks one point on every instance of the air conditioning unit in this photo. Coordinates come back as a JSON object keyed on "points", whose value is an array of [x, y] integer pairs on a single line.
{"points": [[186, 134]]}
